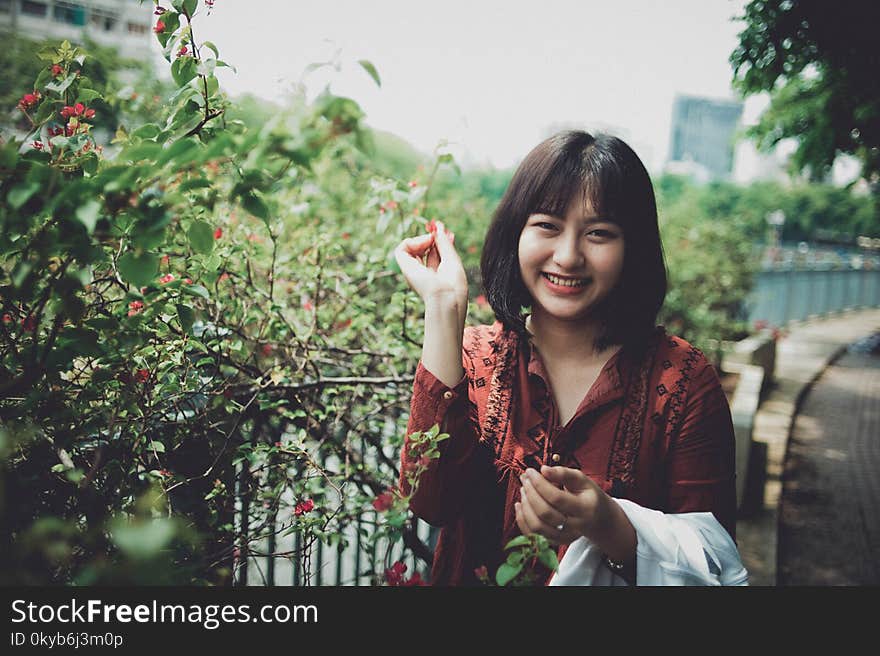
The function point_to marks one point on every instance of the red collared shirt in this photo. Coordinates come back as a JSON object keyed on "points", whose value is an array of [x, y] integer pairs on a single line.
{"points": [[654, 428]]}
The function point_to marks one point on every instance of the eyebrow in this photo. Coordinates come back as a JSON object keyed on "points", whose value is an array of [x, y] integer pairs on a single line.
{"points": [[586, 221]]}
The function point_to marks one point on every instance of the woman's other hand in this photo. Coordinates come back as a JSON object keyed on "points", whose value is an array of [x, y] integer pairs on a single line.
{"points": [[562, 504], [441, 276]]}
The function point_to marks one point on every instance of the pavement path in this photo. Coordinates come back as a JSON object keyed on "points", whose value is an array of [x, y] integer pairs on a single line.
{"points": [[801, 357], [829, 513]]}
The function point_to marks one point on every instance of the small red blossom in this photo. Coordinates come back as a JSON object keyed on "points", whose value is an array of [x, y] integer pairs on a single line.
{"points": [[384, 501], [394, 574], [79, 109], [414, 581], [346, 235], [303, 507], [413, 183], [223, 276], [28, 100], [142, 375], [432, 227], [482, 573], [266, 349], [69, 129], [339, 325], [218, 233], [278, 444], [29, 323], [188, 281], [160, 27], [56, 70], [308, 306], [66, 111], [7, 318], [38, 145], [165, 259], [168, 277], [135, 307], [89, 113], [481, 301], [182, 52], [472, 248], [381, 209], [391, 204]]}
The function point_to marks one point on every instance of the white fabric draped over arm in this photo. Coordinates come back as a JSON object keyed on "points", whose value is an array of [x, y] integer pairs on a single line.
{"points": [[673, 549]]}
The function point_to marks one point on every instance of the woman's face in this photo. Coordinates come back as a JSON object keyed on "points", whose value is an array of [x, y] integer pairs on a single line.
{"points": [[581, 247]]}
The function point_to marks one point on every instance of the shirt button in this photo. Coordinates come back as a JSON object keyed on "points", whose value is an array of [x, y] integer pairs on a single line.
{"points": [[447, 394], [555, 458]]}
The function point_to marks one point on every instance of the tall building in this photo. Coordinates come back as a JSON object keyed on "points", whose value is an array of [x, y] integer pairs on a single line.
{"points": [[702, 137], [124, 24]]}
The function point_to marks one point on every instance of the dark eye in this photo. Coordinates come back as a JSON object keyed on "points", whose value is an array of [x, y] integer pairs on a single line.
{"points": [[544, 223], [604, 234]]}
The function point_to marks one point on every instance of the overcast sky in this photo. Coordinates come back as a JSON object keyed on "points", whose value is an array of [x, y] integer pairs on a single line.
{"points": [[493, 76]]}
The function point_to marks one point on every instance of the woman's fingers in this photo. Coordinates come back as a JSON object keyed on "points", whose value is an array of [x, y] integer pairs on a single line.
{"points": [[540, 515]]}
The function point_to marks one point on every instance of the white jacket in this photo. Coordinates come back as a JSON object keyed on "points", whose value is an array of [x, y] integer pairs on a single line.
{"points": [[672, 549]]}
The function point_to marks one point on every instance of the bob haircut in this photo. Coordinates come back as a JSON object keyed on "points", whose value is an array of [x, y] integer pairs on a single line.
{"points": [[610, 175]]}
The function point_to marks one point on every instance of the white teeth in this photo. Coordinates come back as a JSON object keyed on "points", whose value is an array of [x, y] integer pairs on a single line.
{"points": [[565, 283]]}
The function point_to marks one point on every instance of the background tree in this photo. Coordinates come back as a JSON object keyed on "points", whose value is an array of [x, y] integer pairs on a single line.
{"points": [[819, 61]]}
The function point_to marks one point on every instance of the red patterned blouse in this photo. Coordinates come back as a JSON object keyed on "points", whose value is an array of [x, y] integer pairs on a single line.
{"points": [[655, 428]]}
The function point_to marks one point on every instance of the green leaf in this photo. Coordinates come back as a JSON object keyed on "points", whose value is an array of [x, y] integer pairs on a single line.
{"points": [[86, 96], [186, 316], [548, 557], [369, 68], [255, 205], [210, 44], [183, 69], [201, 237], [196, 183], [189, 6], [143, 540], [506, 573], [158, 447], [518, 541], [147, 150], [196, 290], [89, 214], [139, 270], [148, 131], [21, 194]]}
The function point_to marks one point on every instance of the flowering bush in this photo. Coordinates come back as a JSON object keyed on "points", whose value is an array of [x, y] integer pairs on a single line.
{"points": [[201, 347]]}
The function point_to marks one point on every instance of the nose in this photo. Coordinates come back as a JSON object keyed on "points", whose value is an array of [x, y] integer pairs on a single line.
{"points": [[567, 254]]}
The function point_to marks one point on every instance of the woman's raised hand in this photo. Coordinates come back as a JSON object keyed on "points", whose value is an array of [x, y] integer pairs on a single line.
{"points": [[442, 275]]}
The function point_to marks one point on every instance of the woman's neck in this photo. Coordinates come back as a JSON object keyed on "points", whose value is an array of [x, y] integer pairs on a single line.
{"points": [[564, 340]]}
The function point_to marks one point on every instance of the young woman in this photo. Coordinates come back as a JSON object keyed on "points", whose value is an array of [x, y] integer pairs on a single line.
{"points": [[572, 416]]}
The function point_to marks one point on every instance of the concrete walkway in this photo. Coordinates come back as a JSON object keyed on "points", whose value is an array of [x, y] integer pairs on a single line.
{"points": [[801, 357], [829, 515]]}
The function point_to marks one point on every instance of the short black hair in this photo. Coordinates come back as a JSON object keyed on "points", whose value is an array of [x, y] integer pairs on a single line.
{"points": [[607, 172]]}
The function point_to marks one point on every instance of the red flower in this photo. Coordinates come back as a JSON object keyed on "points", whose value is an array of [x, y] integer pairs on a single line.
{"points": [[218, 233], [384, 501], [339, 325], [391, 204], [89, 113], [56, 70], [472, 249], [278, 444], [303, 507], [165, 260], [267, 349], [142, 375], [346, 235], [66, 111], [160, 27], [29, 323], [165, 472], [308, 306], [7, 318], [182, 52], [394, 574], [69, 129], [135, 307], [381, 209], [38, 145], [188, 281], [413, 183], [481, 301], [481, 573], [432, 227], [223, 276], [414, 580], [168, 277], [78, 109]]}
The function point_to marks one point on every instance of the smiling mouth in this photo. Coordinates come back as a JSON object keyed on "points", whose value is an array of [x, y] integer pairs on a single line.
{"points": [[563, 282]]}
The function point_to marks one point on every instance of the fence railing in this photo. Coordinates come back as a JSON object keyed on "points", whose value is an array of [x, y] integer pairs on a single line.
{"points": [[797, 294]]}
